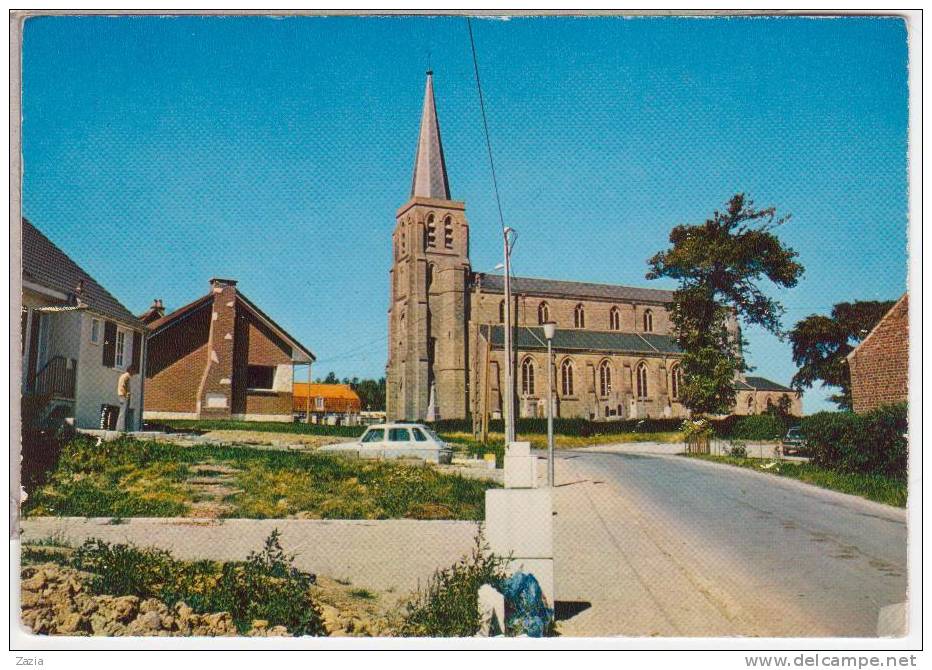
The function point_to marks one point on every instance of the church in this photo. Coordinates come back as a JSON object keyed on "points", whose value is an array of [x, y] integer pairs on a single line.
{"points": [[615, 356]]}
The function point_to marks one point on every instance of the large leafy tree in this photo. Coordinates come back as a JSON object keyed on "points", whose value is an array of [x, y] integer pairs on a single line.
{"points": [[720, 265], [822, 343]]}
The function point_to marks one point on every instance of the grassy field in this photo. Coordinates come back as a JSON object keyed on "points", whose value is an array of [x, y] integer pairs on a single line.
{"points": [[129, 478], [873, 487]]}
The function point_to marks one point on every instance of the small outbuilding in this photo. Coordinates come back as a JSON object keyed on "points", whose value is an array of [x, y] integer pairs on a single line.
{"points": [[335, 404]]}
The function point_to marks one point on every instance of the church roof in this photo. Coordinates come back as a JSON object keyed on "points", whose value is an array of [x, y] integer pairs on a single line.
{"points": [[762, 384], [588, 340], [574, 289], [430, 169]]}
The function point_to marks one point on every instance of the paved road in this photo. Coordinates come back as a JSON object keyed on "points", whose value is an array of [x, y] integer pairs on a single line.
{"points": [[665, 545]]}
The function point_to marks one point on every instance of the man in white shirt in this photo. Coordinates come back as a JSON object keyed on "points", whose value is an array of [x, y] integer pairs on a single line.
{"points": [[124, 391]]}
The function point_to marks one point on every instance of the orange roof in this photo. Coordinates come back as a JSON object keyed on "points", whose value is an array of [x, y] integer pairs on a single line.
{"points": [[330, 391]]}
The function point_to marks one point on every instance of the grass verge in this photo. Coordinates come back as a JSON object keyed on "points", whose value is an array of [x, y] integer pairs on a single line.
{"points": [[873, 487], [130, 478], [202, 426]]}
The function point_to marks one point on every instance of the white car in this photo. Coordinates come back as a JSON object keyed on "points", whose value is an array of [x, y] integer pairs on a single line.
{"points": [[397, 440]]}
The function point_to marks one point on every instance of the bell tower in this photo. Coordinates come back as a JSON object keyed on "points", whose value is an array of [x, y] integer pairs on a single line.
{"points": [[427, 314]]}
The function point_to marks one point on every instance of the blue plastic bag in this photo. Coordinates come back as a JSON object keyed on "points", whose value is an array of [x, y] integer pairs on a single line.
{"points": [[526, 610]]}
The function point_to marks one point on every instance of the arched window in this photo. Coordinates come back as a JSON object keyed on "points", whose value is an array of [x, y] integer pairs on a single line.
{"points": [[642, 381], [566, 377], [605, 378], [676, 382], [527, 376], [501, 312], [648, 321], [448, 232], [404, 243], [579, 316], [430, 232], [614, 319], [750, 404], [543, 313]]}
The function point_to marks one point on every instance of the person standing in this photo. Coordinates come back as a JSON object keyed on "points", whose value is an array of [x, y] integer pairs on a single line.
{"points": [[125, 393]]}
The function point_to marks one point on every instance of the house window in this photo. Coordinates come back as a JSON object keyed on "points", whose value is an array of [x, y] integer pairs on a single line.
{"points": [[676, 382], [95, 331], [120, 356], [566, 377], [260, 377], [642, 381], [501, 312], [448, 233], [605, 378], [543, 313], [648, 322], [527, 376], [319, 403], [579, 316], [431, 232], [614, 319]]}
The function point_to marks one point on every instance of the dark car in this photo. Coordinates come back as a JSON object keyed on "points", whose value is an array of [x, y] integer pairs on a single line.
{"points": [[793, 442]]}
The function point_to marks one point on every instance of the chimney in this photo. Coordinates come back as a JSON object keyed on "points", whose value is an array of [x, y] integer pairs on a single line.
{"points": [[217, 284], [155, 311]]}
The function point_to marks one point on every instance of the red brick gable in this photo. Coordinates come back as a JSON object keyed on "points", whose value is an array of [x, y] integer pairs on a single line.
{"points": [[879, 366]]}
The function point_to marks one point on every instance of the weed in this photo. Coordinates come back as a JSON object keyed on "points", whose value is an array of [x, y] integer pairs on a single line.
{"points": [[264, 586], [363, 594]]}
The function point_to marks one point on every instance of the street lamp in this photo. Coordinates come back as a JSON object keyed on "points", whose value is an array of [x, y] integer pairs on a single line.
{"points": [[550, 328], [509, 406]]}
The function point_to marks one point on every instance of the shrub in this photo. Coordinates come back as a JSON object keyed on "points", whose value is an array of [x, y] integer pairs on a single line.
{"points": [[264, 586], [754, 427], [448, 606], [874, 443]]}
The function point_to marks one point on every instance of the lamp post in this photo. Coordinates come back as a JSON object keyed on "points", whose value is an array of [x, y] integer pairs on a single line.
{"points": [[509, 405], [549, 330]]}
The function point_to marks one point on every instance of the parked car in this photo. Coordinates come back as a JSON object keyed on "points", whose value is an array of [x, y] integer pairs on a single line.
{"points": [[397, 440], [793, 442]]}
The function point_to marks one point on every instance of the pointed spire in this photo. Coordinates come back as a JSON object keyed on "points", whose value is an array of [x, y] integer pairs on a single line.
{"points": [[430, 170]]}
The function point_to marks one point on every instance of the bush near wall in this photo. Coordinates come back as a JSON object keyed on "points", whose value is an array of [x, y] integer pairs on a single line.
{"points": [[873, 443], [754, 427]]}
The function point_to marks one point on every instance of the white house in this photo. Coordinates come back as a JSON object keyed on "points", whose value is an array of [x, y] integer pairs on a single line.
{"points": [[77, 339]]}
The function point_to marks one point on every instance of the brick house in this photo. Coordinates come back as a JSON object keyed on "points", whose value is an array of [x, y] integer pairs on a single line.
{"points": [[879, 365], [219, 357], [757, 395], [77, 339], [329, 403]]}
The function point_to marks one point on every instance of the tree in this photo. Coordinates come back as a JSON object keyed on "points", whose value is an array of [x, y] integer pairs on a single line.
{"points": [[719, 265], [371, 393], [331, 378], [822, 343]]}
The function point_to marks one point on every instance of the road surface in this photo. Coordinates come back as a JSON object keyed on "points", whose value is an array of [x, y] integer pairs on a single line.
{"points": [[655, 544]]}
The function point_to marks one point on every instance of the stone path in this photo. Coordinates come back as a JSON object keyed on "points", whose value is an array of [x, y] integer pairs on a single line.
{"points": [[212, 484]]}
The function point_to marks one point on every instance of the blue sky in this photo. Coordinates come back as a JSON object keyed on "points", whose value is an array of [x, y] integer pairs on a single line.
{"points": [[160, 152]]}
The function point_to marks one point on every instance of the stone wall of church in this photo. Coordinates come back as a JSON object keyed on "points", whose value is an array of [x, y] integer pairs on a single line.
{"points": [[587, 385]]}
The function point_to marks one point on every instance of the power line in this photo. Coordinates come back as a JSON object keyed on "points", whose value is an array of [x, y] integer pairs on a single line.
{"points": [[485, 123]]}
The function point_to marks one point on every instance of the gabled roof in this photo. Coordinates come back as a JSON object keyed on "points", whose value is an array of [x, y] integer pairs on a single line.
{"points": [[893, 310], [587, 340], [572, 289], [430, 168], [160, 325], [761, 384], [173, 317], [48, 266]]}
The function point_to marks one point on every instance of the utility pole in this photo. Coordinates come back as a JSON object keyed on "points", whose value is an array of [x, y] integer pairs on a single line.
{"points": [[509, 399]]}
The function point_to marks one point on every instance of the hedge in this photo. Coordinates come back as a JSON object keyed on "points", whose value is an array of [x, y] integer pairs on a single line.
{"points": [[874, 443], [754, 427], [565, 426]]}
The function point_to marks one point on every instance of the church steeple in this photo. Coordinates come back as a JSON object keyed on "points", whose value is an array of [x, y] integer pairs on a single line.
{"points": [[430, 169]]}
